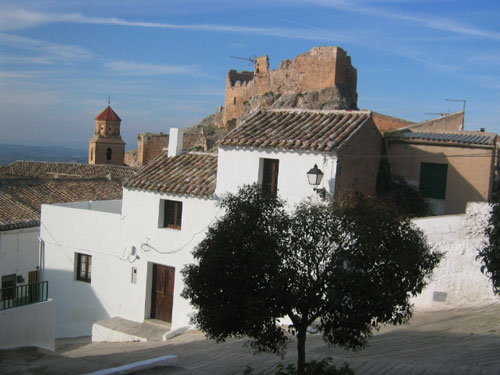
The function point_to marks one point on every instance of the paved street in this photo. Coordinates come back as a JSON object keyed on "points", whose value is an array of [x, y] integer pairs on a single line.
{"points": [[465, 341]]}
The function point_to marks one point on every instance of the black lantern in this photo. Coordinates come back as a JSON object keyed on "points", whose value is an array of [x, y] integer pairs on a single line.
{"points": [[315, 175]]}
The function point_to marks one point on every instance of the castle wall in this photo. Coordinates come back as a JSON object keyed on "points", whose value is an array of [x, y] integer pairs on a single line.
{"points": [[149, 146], [237, 95], [320, 68]]}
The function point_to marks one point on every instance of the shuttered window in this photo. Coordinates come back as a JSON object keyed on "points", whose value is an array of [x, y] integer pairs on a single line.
{"points": [[270, 177], [172, 214], [433, 180]]}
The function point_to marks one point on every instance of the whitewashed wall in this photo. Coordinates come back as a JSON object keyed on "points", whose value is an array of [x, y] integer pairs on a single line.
{"points": [[109, 238], [238, 166], [458, 280], [19, 252], [29, 325]]}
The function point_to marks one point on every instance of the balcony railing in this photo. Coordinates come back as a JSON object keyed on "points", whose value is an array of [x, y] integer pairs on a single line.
{"points": [[23, 295]]}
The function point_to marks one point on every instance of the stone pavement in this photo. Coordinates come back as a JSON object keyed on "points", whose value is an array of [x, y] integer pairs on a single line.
{"points": [[461, 341]]}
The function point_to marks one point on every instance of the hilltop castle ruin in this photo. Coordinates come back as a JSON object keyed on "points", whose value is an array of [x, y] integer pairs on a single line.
{"points": [[325, 74]]}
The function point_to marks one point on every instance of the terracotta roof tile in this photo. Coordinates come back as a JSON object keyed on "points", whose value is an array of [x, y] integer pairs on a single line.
{"points": [[304, 130], [21, 199], [108, 115], [42, 169], [188, 173]]}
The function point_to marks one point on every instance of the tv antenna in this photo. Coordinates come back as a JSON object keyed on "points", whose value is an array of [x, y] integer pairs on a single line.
{"points": [[442, 114], [252, 59]]}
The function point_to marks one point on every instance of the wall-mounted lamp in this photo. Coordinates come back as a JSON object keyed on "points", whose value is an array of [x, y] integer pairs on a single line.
{"points": [[315, 175]]}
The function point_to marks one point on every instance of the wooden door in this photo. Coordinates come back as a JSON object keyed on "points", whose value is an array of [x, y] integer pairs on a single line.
{"points": [[34, 287], [162, 297]]}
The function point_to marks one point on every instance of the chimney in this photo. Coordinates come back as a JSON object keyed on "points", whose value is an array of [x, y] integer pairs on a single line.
{"points": [[175, 142]]}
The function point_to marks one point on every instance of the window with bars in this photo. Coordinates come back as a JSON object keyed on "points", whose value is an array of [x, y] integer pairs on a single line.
{"points": [[172, 214], [83, 267]]}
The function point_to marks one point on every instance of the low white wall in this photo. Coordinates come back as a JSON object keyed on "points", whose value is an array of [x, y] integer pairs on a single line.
{"points": [[458, 280], [30, 325]]}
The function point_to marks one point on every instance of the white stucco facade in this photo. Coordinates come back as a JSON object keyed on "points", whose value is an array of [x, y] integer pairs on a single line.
{"points": [[112, 239], [238, 166], [19, 252]]}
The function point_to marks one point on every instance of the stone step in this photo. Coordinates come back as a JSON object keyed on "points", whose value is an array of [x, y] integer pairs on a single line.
{"points": [[117, 329]]}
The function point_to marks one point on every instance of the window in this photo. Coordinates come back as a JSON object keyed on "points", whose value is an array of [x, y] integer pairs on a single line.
{"points": [[433, 180], [109, 152], [270, 177], [172, 214], [9, 281], [83, 267]]}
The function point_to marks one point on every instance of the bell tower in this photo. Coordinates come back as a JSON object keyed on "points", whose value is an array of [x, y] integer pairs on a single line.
{"points": [[107, 146]]}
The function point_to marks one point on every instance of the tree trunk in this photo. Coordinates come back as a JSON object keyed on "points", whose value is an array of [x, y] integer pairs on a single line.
{"points": [[301, 351]]}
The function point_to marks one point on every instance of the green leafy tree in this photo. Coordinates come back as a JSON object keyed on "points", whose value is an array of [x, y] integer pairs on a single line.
{"points": [[490, 254], [347, 267]]}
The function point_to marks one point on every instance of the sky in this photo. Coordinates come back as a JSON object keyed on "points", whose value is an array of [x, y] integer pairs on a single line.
{"points": [[163, 63]]}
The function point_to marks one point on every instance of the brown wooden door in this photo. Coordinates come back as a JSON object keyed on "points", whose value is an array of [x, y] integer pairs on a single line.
{"points": [[162, 297], [34, 287]]}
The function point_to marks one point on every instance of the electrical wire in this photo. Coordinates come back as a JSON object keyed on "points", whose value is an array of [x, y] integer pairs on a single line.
{"points": [[146, 247]]}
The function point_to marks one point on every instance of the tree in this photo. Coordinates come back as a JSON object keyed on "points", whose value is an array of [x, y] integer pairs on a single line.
{"points": [[490, 254], [349, 266]]}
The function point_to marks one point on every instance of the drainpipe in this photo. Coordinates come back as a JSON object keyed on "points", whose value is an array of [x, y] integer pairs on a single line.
{"points": [[41, 258]]}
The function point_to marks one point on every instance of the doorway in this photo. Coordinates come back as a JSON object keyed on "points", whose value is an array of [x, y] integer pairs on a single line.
{"points": [[162, 292]]}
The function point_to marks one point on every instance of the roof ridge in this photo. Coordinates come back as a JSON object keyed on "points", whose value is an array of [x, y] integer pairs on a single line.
{"points": [[320, 111]]}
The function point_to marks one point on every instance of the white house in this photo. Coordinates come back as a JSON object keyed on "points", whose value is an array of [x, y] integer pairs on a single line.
{"points": [[26, 317], [123, 258]]}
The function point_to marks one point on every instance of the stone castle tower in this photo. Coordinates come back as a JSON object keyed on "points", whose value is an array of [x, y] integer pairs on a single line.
{"points": [[327, 70], [107, 146]]}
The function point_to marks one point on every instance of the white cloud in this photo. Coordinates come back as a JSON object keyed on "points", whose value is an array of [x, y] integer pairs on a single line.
{"points": [[14, 75], [27, 60], [138, 69], [52, 51], [431, 22], [25, 19]]}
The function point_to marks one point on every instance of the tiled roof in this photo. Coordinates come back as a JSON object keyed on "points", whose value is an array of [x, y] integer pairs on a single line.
{"points": [[108, 115], [306, 130], [459, 137], [21, 199], [74, 170], [189, 173]]}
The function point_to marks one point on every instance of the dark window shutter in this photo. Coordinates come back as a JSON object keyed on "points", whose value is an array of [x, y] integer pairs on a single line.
{"points": [[433, 180], [270, 177], [172, 216]]}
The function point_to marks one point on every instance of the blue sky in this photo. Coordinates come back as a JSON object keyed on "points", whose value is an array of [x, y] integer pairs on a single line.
{"points": [[164, 62]]}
